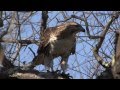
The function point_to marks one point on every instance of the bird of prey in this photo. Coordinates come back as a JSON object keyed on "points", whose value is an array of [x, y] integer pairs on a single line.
{"points": [[58, 41]]}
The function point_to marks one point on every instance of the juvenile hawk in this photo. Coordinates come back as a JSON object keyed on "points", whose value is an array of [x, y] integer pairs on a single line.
{"points": [[58, 41]]}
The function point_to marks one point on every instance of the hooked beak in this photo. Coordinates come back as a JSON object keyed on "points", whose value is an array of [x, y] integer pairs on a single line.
{"points": [[81, 29]]}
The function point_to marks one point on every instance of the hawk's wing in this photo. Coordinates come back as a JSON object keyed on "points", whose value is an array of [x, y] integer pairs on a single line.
{"points": [[45, 44], [74, 47], [60, 32]]}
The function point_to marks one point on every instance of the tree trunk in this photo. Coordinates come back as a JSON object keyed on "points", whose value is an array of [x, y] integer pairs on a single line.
{"points": [[116, 63]]}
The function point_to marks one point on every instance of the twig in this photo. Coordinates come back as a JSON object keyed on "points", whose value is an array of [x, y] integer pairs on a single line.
{"points": [[87, 29], [32, 51]]}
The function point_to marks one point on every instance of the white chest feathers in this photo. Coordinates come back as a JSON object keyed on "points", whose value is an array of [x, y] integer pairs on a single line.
{"points": [[53, 38], [62, 46]]}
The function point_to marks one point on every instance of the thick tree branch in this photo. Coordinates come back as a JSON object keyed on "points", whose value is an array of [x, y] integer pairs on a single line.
{"points": [[44, 20], [1, 21], [116, 59], [16, 73], [23, 42], [98, 46]]}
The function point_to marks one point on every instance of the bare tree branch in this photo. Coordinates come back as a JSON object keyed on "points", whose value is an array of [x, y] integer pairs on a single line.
{"points": [[98, 46], [31, 74], [23, 42], [44, 20], [1, 21], [87, 29]]}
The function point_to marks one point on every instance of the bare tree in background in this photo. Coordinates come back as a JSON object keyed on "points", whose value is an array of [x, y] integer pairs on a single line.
{"points": [[97, 50]]}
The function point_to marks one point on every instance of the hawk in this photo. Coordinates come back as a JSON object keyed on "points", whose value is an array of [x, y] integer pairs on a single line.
{"points": [[58, 41]]}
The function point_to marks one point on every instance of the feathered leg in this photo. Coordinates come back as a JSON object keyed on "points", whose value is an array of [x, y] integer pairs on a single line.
{"points": [[48, 62], [64, 64]]}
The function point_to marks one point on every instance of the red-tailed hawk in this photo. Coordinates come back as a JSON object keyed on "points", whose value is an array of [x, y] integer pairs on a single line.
{"points": [[58, 41]]}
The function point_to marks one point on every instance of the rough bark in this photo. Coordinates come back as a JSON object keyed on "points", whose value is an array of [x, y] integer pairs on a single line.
{"points": [[116, 63], [17, 73], [113, 72], [1, 21]]}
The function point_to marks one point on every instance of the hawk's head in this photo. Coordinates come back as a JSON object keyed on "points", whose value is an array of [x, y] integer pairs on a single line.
{"points": [[74, 27]]}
